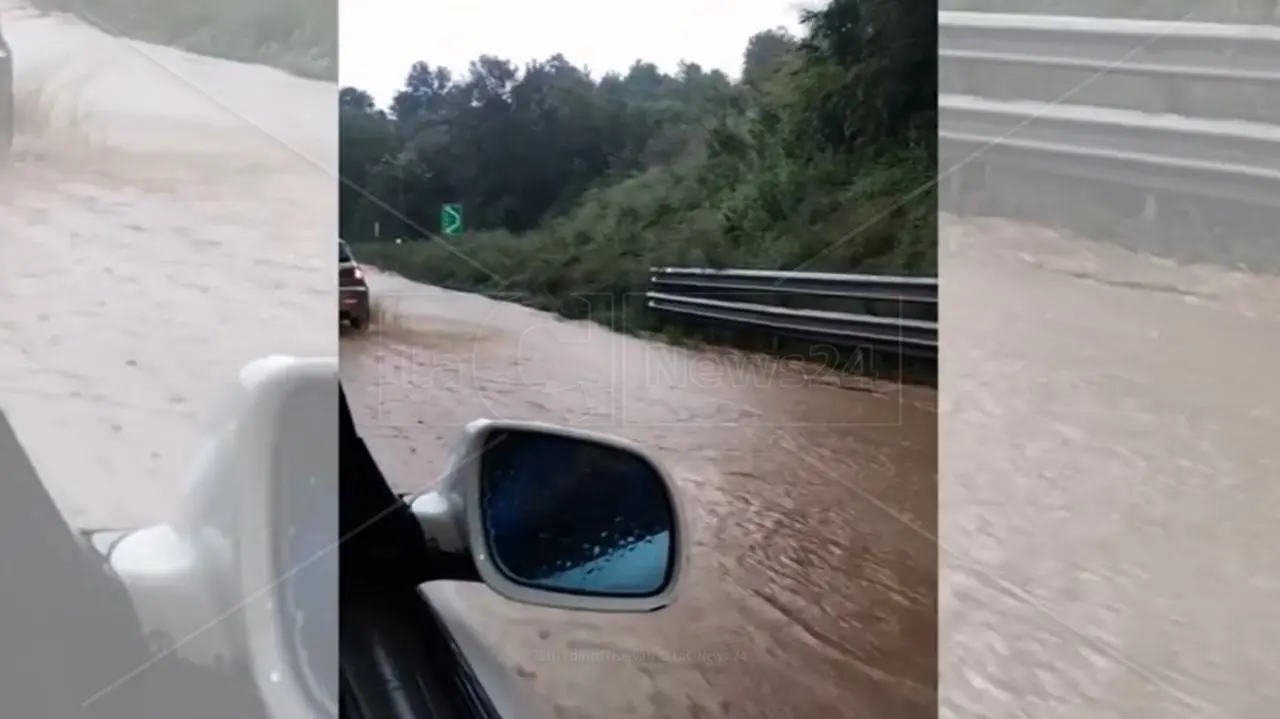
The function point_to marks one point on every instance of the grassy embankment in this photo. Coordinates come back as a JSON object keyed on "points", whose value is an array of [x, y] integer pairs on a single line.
{"points": [[298, 36], [834, 214], [594, 262]]}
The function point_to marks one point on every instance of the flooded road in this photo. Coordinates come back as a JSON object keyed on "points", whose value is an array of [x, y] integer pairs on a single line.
{"points": [[813, 577], [166, 219], [1108, 482]]}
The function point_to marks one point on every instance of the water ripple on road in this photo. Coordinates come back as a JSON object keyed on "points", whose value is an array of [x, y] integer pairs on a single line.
{"points": [[166, 219], [812, 591], [1108, 481]]}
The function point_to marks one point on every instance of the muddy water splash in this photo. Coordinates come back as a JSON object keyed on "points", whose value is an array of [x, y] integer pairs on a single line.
{"points": [[167, 218], [812, 585], [1108, 486]]}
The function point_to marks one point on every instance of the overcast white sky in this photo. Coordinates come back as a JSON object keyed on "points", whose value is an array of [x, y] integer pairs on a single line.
{"points": [[380, 39]]}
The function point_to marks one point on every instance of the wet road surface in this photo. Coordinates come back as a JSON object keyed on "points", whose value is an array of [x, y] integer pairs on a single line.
{"points": [[1108, 482], [166, 219], [813, 576], [149, 212]]}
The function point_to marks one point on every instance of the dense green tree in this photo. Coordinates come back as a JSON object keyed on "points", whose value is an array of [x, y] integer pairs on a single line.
{"points": [[510, 145], [764, 54], [821, 156]]}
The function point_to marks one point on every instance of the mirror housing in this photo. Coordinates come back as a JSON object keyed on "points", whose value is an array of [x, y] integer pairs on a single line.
{"points": [[206, 585], [629, 489], [231, 520]]}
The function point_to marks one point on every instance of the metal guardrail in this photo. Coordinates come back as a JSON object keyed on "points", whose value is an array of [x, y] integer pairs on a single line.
{"points": [[684, 291], [1212, 159], [1150, 48], [1218, 159]]}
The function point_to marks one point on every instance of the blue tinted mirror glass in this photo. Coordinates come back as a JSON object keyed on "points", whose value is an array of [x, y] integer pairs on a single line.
{"points": [[568, 515]]}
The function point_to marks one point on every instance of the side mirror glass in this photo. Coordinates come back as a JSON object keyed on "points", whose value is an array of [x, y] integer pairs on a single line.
{"points": [[564, 514], [568, 519]]}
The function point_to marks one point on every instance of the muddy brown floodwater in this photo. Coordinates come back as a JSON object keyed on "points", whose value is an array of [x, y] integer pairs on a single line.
{"points": [[167, 218], [813, 579], [1108, 482]]}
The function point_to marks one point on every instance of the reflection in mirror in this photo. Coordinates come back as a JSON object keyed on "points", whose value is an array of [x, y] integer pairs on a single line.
{"points": [[569, 515]]}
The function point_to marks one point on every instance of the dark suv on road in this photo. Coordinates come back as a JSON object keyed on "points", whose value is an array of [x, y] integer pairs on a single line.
{"points": [[6, 97], [353, 290]]}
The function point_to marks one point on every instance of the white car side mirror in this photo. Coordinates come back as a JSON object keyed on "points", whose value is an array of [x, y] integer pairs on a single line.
{"points": [[560, 517], [262, 516]]}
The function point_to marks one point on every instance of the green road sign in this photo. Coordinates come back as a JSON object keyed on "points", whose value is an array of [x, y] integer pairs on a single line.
{"points": [[451, 219]]}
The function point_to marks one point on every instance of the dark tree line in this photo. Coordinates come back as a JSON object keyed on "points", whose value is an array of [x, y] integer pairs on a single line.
{"points": [[821, 154], [511, 145]]}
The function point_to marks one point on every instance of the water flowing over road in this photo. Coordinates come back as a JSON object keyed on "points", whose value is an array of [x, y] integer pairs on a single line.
{"points": [[166, 219], [813, 578], [1108, 494]]}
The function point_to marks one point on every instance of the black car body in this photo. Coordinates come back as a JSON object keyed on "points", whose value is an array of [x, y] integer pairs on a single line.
{"points": [[6, 97], [353, 290]]}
